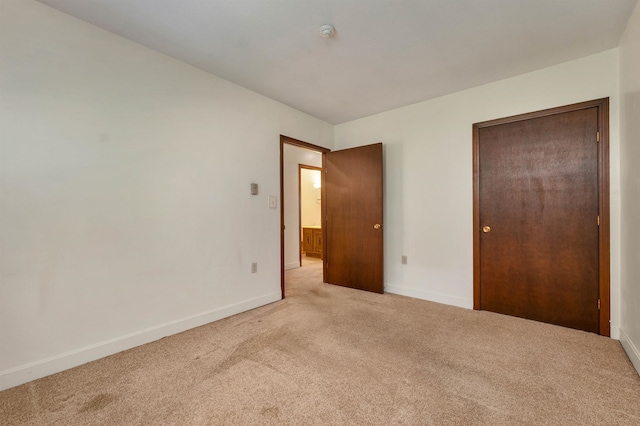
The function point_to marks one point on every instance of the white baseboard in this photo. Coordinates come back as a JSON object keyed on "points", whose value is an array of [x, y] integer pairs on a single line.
{"points": [[614, 332], [631, 349], [45, 367], [433, 297], [294, 265]]}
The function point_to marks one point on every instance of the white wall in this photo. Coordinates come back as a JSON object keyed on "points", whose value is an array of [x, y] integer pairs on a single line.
{"points": [[428, 173], [310, 208], [630, 187], [125, 209], [293, 157]]}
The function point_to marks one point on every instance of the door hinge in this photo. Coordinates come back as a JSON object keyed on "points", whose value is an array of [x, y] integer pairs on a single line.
{"points": [[597, 136], [598, 220], [598, 304]]}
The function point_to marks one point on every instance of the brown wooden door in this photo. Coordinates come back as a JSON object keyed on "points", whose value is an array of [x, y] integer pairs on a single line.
{"points": [[353, 208], [538, 218]]}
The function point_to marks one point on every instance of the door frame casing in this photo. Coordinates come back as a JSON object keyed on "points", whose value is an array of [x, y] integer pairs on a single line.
{"points": [[301, 144], [604, 243]]}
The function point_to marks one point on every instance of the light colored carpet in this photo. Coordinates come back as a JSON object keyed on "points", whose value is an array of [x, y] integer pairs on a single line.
{"points": [[306, 261], [331, 355]]}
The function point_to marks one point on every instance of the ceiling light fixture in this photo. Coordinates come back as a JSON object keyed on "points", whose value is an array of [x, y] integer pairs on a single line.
{"points": [[326, 31]]}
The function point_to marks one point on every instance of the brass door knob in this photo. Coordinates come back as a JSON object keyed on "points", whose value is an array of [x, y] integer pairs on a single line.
{"points": [[486, 229], [377, 226]]}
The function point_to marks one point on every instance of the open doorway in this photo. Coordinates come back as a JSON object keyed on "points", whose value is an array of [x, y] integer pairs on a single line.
{"points": [[301, 205], [310, 202], [351, 209]]}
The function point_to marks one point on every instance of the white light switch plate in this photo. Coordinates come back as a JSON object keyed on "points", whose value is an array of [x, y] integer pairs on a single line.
{"points": [[273, 202]]}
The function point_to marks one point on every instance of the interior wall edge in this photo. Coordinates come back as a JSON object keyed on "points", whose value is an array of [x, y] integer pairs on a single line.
{"points": [[632, 351], [45, 367]]}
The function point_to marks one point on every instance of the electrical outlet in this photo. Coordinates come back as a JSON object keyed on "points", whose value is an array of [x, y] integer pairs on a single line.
{"points": [[404, 259], [254, 267]]}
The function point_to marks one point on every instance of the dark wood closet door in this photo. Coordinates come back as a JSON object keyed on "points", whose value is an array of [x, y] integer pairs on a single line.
{"points": [[538, 202]]}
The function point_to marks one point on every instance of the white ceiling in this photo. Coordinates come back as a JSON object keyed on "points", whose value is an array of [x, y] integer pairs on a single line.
{"points": [[385, 53]]}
